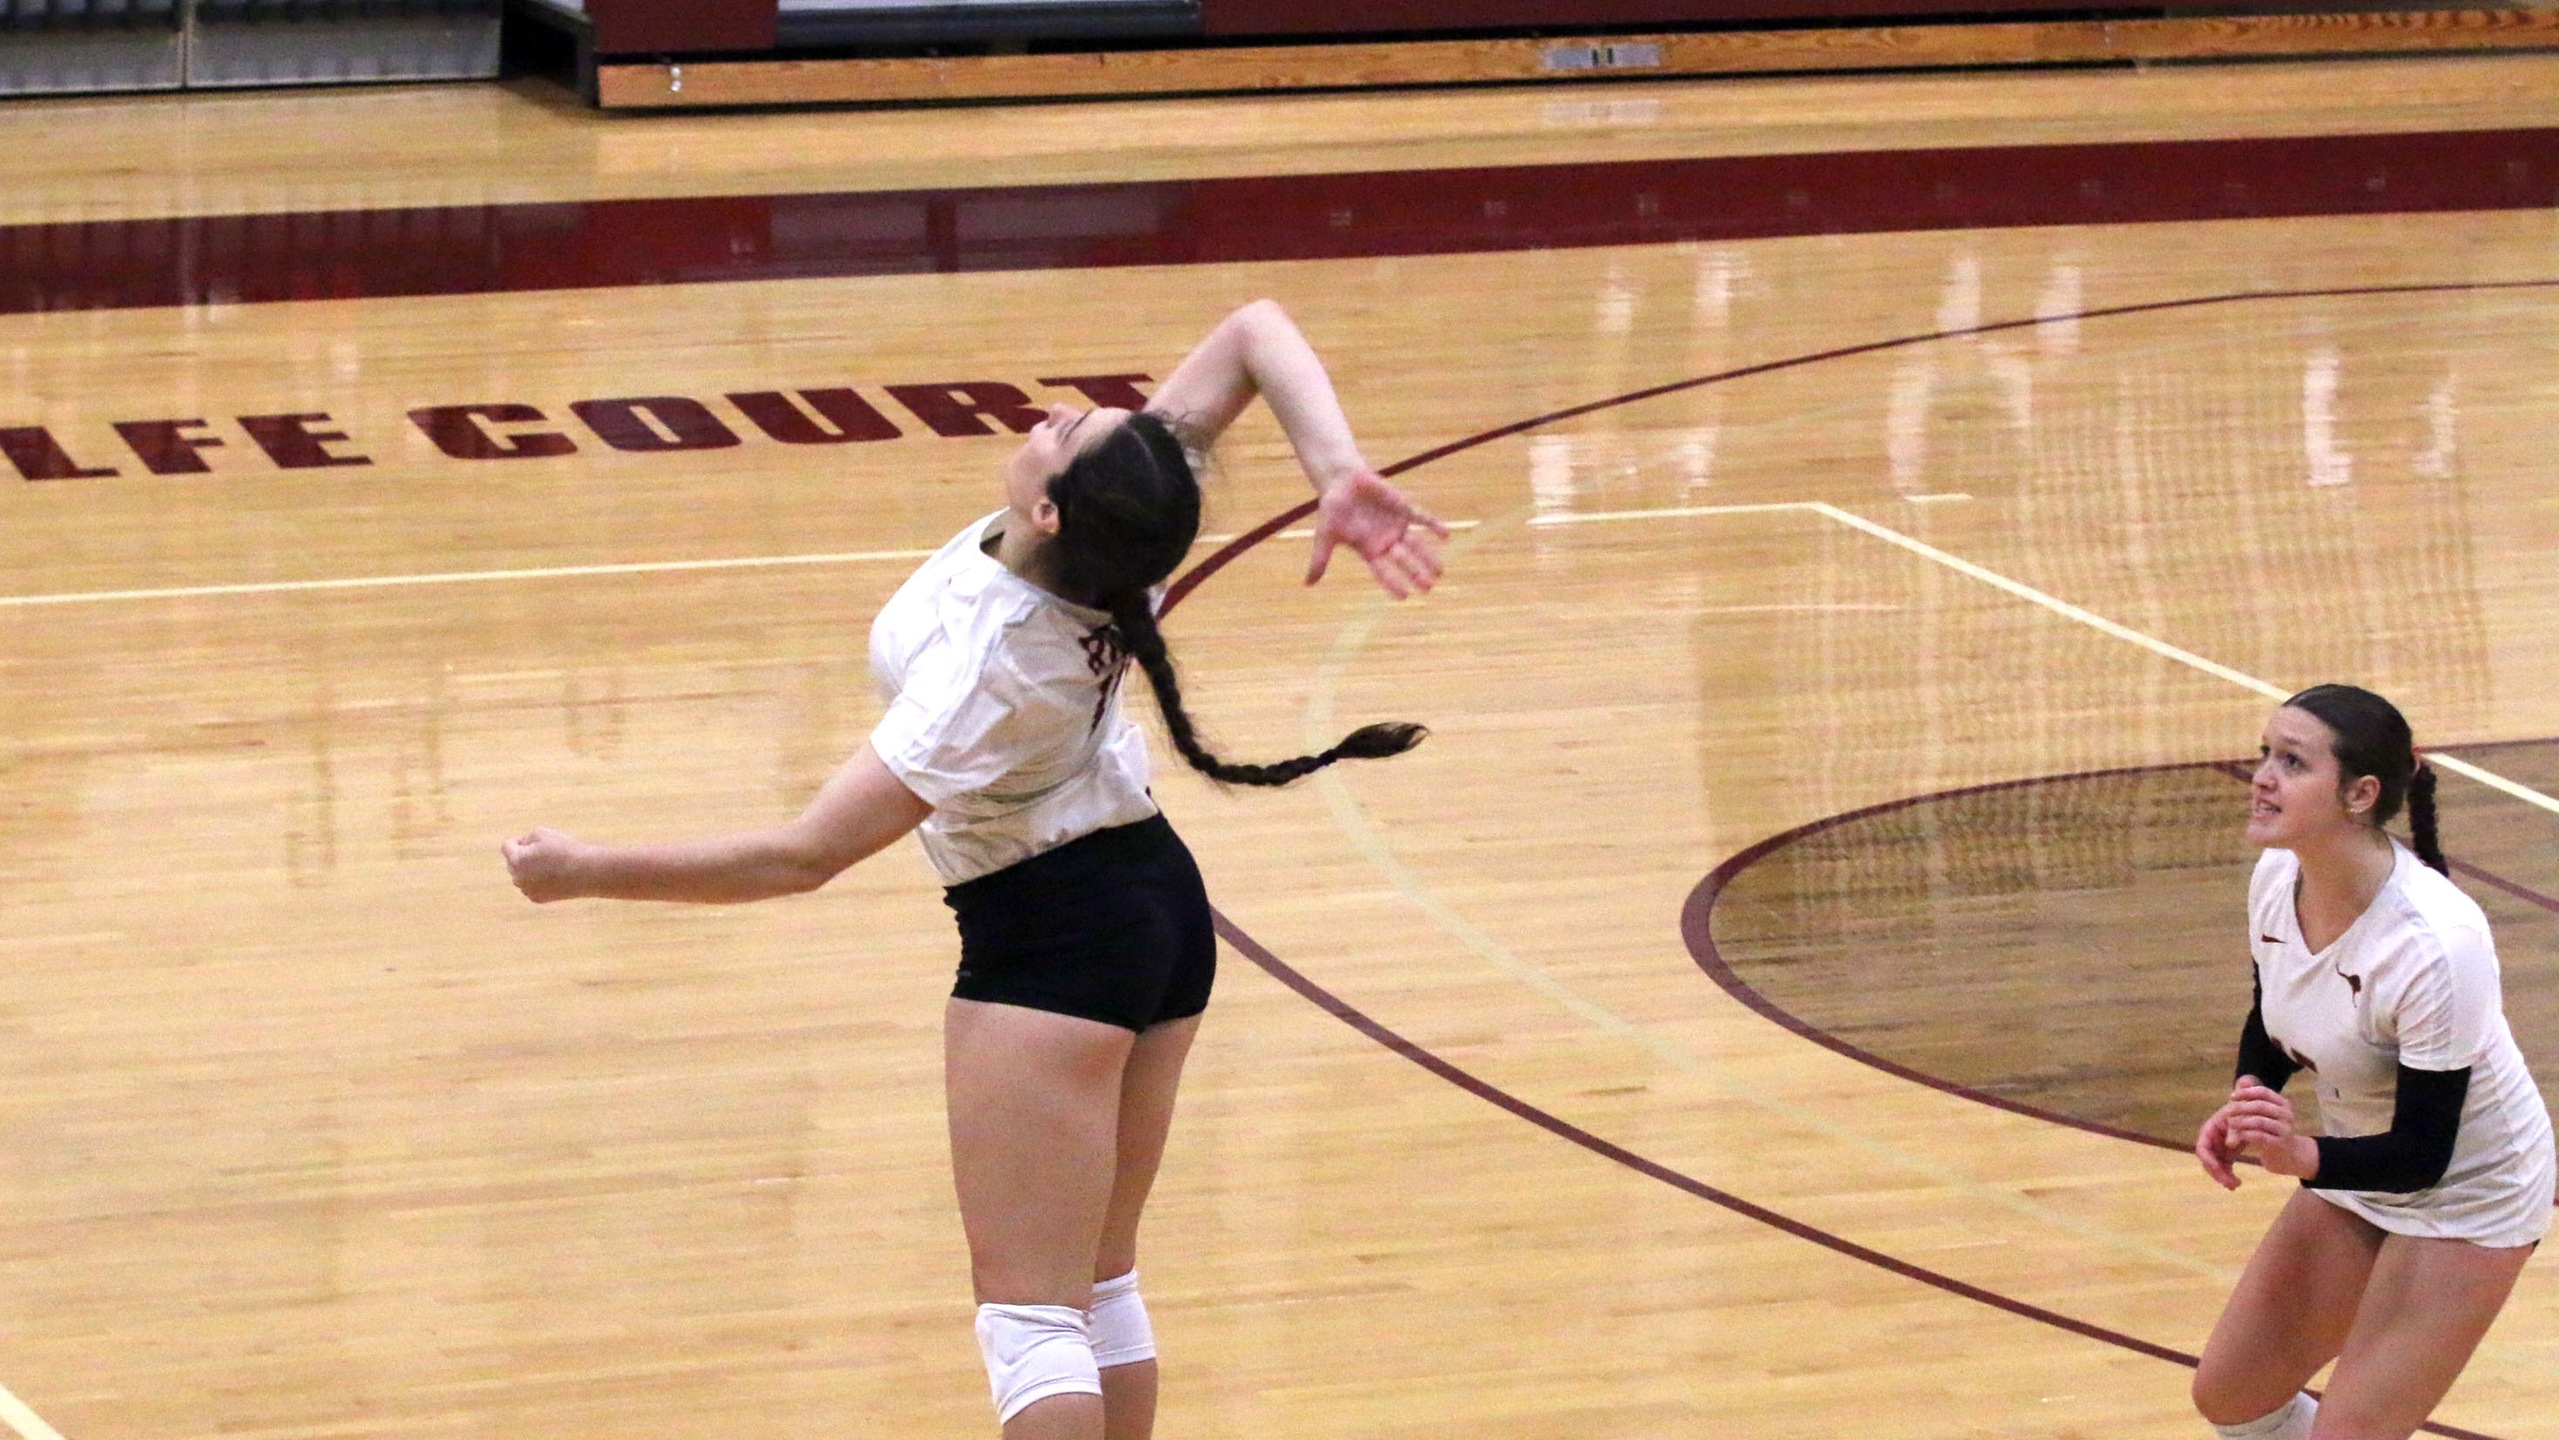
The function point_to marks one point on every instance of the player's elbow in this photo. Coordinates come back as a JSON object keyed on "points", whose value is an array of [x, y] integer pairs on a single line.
{"points": [[802, 878], [795, 865], [2430, 1162]]}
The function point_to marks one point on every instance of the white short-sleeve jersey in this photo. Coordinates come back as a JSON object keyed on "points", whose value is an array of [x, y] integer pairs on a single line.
{"points": [[2413, 981], [1003, 712]]}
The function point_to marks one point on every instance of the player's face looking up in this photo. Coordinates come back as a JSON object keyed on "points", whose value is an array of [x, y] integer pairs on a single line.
{"points": [[2298, 794], [1065, 434]]}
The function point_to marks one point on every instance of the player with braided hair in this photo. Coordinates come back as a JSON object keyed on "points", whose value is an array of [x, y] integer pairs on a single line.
{"points": [[2433, 1180], [1086, 953]]}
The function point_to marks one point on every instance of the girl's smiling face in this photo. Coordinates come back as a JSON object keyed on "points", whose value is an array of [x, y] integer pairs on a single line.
{"points": [[2298, 794]]}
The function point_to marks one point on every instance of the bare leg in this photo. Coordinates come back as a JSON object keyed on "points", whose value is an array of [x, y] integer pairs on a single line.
{"points": [[1034, 1107], [1147, 1088], [2427, 1306], [2290, 1313]]}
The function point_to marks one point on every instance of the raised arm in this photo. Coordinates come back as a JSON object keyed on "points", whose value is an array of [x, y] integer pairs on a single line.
{"points": [[861, 810], [1258, 350]]}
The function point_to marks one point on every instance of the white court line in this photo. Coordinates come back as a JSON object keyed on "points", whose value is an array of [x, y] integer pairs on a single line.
{"points": [[545, 572], [1590, 517], [2054, 603], [28, 1424], [2460, 767], [457, 577]]}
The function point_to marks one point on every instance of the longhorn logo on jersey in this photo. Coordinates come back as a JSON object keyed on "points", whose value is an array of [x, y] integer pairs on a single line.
{"points": [[1106, 654]]}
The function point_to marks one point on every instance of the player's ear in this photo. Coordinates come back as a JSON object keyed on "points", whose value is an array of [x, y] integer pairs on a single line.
{"points": [[2360, 795]]}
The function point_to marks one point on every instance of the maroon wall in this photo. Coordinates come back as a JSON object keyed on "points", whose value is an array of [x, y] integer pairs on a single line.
{"points": [[1345, 17], [624, 27]]}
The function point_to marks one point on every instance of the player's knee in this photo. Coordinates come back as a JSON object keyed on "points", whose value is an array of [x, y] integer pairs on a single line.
{"points": [[2206, 1395], [1034, 1352], [2217, 1399], [1122, 1335]]}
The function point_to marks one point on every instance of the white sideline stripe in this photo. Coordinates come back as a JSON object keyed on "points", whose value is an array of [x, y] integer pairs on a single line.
{"points": [[1310, 534], [545, 572], [2054, 603], [1591, 517], [457, 577], [2463, 768], [2492, 780], [28, 1424]]}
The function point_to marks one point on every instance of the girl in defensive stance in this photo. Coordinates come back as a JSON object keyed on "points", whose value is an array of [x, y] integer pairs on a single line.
{"points": [[2432, 1182], [1085, 945]]}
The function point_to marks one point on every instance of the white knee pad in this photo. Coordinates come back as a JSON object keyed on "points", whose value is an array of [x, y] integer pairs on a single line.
{"points": [[2289, 1421], [1033, 1352], [1121, 1334]]}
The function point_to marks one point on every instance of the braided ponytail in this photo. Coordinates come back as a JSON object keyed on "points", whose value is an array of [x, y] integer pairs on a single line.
{"points": [[2421, 819], [1128, 510], [1134, 617]]}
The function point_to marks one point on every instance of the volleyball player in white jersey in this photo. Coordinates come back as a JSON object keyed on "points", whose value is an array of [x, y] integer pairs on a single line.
{"points": [[2432, 1181], [1085, 949]]}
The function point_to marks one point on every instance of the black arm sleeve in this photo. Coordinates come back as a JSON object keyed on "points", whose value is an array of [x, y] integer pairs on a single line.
{"points": [[2414, 1152], [2259, 1055]]}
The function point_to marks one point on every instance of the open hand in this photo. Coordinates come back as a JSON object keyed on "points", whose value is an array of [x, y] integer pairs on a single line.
{"points": [[1397, 538], [542, 864]]}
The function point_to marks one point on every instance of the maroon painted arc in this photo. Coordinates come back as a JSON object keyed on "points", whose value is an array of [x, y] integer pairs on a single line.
{"points": [[1696, 928], [603, 244], [2514, 889], [1397, 1044]]}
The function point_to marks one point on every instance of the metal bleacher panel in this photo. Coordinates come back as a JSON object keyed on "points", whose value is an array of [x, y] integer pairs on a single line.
{"points": [[50, 47], [289, 42]]}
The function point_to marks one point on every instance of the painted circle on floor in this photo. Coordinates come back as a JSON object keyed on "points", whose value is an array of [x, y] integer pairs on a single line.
{"points": [[2073, 947]]}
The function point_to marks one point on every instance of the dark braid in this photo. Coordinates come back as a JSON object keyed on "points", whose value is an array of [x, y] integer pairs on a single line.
{"points": [[2421, 818], [2372, 738], [1128, 510]]}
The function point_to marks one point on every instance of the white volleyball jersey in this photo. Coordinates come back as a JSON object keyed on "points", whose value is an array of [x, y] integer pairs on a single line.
{"points": [[2413, 981], [1003, 711]]}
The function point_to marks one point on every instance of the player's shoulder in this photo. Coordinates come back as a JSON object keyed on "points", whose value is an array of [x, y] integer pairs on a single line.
{"points": [[1040, 649], [2435, 911]]}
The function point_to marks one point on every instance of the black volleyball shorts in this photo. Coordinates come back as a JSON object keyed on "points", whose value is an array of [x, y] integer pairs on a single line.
{"points": [[1112, 926]]}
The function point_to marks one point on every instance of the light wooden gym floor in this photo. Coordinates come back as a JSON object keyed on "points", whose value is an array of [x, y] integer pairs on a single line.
{"points": [[309, 1126]]}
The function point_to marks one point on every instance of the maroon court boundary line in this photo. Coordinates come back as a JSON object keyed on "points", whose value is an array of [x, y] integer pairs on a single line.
{"points": [[1359, 1020], [512, 247], [1368, 1026]]}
